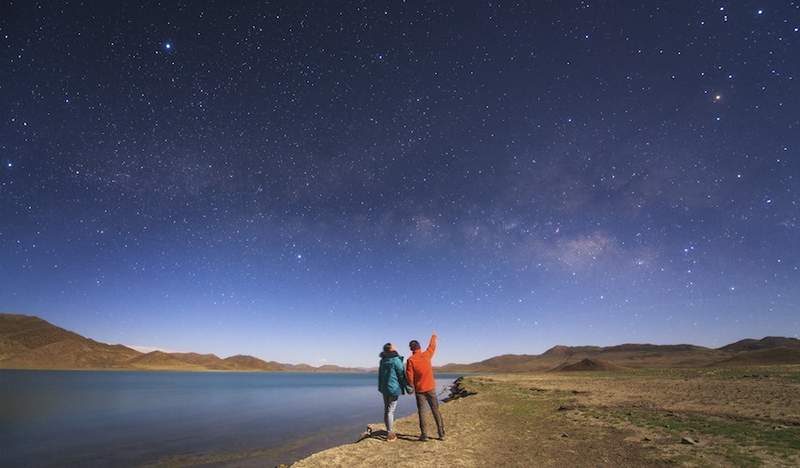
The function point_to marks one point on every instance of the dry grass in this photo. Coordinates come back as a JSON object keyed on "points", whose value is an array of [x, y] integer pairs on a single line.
{"points": [[740, 417]]}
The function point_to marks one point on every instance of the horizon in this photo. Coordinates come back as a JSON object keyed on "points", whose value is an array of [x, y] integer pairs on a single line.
{"points": [[148, 349], [305, 184], [266, 358]]}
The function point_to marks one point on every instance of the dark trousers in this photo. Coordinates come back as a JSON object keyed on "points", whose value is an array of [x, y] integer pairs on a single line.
{"points": [[433, 403]]}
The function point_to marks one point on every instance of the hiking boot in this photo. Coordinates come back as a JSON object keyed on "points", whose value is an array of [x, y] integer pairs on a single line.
{"points": [[423, 438], [441, 437], [391, 437]]}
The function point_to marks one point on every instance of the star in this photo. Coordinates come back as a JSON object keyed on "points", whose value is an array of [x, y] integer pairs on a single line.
{"points": [[393, 165]]}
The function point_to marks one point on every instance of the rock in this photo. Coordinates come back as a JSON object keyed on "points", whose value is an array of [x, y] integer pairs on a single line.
{"points": [[564, 434], [689, 441], [366, 434], [646, 439], [457, 391]]}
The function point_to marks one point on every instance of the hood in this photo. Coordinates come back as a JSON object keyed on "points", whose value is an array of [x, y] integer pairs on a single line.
{"points": [[390, 355]]}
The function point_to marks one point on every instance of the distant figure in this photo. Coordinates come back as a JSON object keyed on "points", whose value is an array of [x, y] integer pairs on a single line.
{"points": [[391, 383], [420, 375]]}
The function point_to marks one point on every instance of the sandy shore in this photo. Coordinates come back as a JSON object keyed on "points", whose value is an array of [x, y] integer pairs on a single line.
{"points": [[699, 417]]}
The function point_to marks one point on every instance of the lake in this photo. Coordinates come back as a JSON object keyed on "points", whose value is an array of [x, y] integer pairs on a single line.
{"points": [[83, 418]]}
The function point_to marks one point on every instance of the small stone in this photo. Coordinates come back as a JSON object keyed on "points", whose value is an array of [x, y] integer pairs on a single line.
{"points": [[564, 434], [646, 439], [688, 441]]}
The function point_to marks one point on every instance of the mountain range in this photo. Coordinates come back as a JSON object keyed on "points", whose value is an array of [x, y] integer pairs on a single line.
{"points": [[28, 342], [749, 352]]}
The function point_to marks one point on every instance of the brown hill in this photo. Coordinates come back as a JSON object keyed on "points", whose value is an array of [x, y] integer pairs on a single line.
{"points": [[210, 361], [627, 355], [763, 357], [565, 351], [634, 355], [161, 361], [587, 364], [505, 363], [28, 342], [300, 368], [244, 362], [764, 343]]}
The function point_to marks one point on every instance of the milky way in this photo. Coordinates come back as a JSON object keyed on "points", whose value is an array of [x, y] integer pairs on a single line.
{"points": [[304, 181]]}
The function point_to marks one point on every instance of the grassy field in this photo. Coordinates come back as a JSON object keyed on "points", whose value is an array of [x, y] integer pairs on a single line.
{"points": [[675, 417]]}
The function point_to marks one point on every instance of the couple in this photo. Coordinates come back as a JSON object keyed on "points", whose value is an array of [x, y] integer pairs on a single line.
{"points": [[417, 376]]}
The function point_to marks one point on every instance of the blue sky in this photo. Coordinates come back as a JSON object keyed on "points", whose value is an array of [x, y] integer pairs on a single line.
{"points": [[304, 184]]}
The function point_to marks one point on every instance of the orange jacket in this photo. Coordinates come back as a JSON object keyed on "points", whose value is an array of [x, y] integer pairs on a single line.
{"points": [[419, 372]]}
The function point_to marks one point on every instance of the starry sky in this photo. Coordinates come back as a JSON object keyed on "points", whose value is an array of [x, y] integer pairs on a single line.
{"points": [[304, 181]]}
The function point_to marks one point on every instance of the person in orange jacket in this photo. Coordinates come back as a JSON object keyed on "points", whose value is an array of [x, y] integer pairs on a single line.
{"points": [[419, 374]]}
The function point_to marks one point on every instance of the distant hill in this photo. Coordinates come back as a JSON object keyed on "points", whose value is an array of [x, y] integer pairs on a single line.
{"points": [[28, 342], [765, 356], [587, 364], [158, 360], [210, 361], [769, 350], [768, 342], [244, 362]]}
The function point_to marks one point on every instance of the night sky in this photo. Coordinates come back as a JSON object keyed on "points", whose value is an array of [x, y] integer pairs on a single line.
{"points": [[304, 181]]}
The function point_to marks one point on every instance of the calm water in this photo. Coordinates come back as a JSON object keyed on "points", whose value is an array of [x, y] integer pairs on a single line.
{"points": [[53, 418]]}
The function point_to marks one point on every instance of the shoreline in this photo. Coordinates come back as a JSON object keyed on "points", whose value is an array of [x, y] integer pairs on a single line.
{"points": [[673, 417], [376, 431]]}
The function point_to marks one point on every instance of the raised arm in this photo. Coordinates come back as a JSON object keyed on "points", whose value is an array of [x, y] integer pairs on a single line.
{"points": [[431, 346]]}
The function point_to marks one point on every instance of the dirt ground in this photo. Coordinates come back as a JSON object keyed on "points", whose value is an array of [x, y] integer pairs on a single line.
{"points": [[688, 417]]}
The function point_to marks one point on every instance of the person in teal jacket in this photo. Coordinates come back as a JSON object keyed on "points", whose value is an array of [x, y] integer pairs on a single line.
{"points": [[391, 383]]}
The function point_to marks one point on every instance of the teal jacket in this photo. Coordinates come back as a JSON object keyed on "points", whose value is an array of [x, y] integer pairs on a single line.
{"points": [[391, 375]]}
